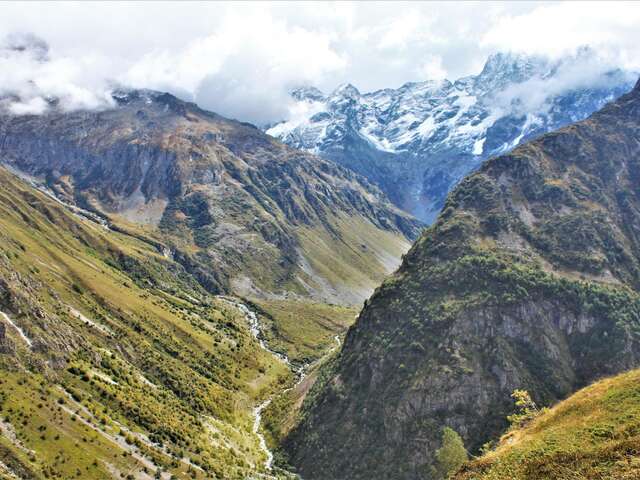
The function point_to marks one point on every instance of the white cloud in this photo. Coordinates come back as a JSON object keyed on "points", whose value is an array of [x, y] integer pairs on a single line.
{"points": [[27, 72], [556, 29], [240, 59], [585, 68], [245, 68], [432, 68]]}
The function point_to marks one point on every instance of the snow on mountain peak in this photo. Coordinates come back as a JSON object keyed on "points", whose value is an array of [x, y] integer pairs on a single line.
{"points": [[346, 90], [307, 93], [434, 132]]}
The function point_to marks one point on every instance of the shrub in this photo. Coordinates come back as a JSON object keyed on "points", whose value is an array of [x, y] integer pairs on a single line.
{"points": [[451, 455], [526, 409]]}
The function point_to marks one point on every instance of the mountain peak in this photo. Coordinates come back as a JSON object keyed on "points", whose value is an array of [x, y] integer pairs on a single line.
{"points": [[26, 44], [500, 60], [346, 90], [307, 93], [510, 66]]}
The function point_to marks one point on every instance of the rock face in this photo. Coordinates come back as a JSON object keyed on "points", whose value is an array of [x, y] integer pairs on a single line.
{"points": [[528, 279], [233, 205], [416, 142]]}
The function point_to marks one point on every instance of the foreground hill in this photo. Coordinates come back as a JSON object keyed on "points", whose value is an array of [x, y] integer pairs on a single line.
{"points": [[528, 279], [114, 361], [595, 433], [239, 210], [417, 141]]}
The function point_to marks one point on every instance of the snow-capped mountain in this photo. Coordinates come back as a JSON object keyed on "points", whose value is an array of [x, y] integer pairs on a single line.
{"points": [[417, 141]]}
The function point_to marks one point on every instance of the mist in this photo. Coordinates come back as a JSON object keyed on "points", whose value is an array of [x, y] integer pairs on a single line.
{"points": [[242, 60]]}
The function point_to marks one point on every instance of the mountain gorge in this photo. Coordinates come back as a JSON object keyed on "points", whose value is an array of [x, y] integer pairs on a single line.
{"points": [[527, 279], [239, 210], [416, 142]]}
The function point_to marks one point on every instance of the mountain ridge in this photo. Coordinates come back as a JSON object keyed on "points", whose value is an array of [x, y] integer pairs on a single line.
{"points": [[528, 279], [416, 142], [217, 192]]}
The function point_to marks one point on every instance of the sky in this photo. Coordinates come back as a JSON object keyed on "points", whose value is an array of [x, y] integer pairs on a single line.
{"points": [[242, 59]]}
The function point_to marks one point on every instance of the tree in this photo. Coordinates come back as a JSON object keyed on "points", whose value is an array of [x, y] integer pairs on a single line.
{"points": [[526, 409], [451, 455]]}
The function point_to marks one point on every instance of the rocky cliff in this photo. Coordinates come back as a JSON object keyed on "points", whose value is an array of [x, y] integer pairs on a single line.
{"points": [[238, 209], [528, 279]]}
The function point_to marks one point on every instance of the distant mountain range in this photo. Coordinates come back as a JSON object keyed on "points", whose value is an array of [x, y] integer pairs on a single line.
{"points": [[416, 142], [241, 211]]}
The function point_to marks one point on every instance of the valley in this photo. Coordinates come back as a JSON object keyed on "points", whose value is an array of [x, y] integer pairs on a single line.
{"points": [[93, 354], [210, 269]]}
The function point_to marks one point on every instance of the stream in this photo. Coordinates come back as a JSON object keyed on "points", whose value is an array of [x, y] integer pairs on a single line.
{"points": [[300, 372], [20, 332]]}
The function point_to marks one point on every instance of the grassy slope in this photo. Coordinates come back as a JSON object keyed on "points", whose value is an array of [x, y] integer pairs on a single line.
{"points": [[594, 434], [151, 367], [349, 263], [304, 330]]}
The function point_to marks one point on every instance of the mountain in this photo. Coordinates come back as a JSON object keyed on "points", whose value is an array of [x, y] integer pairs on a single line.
{"points": [[236, 208], [416, 142], [529, 278], [114, 361], [592, 434]]}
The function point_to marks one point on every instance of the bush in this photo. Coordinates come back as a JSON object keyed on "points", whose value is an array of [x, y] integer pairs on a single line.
{"points": [[526, 409], [451, 455]]}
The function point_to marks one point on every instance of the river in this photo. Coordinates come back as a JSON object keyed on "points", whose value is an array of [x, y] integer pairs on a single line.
{"points": [[300, 372]]}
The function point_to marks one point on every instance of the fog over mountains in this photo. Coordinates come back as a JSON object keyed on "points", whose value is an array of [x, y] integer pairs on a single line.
{"points": [[417, 141]]}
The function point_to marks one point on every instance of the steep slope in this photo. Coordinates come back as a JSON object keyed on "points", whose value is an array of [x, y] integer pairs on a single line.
{"points": [[236, 208], [114, 362], [592, 434], [416, 142], [528, 279]]}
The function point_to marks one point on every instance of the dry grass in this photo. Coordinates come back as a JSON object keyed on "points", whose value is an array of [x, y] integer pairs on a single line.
{"points": [[594, 434]]}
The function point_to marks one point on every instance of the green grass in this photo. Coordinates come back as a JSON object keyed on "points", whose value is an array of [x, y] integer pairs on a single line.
{"points": [[63, 444], [135, 365], [351, 259], [594, 434], [304, 330]]}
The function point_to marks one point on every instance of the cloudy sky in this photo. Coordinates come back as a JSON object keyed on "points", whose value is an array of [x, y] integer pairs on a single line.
{"points": [[241, 59]]}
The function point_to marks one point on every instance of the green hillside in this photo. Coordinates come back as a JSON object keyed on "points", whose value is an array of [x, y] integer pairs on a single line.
{"points": [[115, 362], [594, 434]]}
